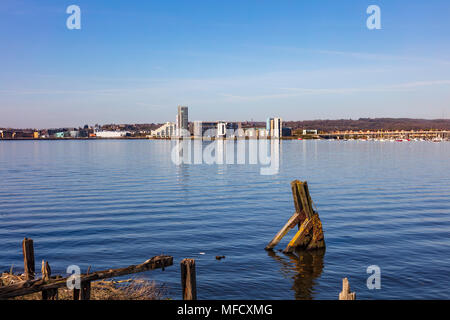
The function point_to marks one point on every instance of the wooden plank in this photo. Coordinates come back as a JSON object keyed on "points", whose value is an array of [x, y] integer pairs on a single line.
{"points": [[295, 195], [299, 236], [304, 200], [288, 226], [309, 200], [32, 286], [188, 279], [28, 258]]}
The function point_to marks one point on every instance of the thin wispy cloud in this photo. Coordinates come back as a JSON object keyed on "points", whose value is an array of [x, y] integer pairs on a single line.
{"points": [[297, 92], [373, 56], [382, 56]]}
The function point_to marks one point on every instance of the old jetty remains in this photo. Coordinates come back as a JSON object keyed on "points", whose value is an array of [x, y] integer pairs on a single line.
{"points": [[310, 233], [48, 285]]}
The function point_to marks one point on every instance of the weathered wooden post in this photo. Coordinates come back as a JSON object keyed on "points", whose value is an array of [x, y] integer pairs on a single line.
{"points": [[310, 232], [346, 294], [50, 294], [85, 290], [76, 294], [188, 279], [84, 293], [28, 258]]}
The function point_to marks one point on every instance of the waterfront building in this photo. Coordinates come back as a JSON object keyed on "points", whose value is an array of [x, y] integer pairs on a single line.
{"points": [[250, 132], [286, 132], [262, 132], [202, 127], [211, 129], [74, 133], [309, 131], [275, 127], [165, 131], [182, 120], [226, 129], [111, 134]]}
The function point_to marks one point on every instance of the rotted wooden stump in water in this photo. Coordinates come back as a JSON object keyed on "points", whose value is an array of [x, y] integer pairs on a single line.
{"points": [[188, 279], [310, 233]]}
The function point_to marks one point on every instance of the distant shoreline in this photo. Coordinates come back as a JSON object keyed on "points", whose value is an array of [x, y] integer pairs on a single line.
{"points": [[227, 139], [143, 138]]}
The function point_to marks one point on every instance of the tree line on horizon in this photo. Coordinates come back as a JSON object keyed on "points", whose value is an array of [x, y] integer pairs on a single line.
{"points": [[370, 124], [320, 125]]}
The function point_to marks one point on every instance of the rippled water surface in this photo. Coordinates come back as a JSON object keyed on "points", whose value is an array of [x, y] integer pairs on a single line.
{"points": [[113, 203]]}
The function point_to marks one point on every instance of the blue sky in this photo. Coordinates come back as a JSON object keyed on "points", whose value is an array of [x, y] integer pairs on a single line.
{"points": [[135, 61]]}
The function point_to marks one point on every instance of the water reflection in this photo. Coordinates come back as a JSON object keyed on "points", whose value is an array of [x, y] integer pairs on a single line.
{"points": [[304, 267], [220, 152]]}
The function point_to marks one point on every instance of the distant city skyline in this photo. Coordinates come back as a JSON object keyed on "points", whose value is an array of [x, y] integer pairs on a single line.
{"points": [[135, 62]]}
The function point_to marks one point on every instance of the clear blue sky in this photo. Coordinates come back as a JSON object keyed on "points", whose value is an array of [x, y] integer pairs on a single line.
{"points": [[135, 61]]}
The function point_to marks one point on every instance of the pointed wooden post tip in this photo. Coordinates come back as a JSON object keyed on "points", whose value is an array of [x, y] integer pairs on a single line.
{"points": [[346, 294]]}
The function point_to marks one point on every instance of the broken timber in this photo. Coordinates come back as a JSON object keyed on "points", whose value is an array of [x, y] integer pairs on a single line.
{"points": [[50, 294], [310, 232], [49, 283]]}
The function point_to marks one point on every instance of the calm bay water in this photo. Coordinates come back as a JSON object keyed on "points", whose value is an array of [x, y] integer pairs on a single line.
{"points": [[113, 203]]}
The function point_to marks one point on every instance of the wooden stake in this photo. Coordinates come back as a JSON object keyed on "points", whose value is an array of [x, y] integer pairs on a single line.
{"points": [[346, 294], [28, 258], [188, 279], [76, 294], [85, 290], [46, 271], [50, 294]]}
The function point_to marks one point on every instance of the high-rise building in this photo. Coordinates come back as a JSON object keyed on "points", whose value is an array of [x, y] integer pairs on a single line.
{"points": [[182, 122], [275, 127]]}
